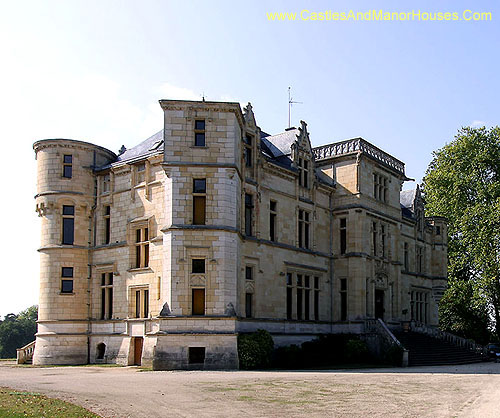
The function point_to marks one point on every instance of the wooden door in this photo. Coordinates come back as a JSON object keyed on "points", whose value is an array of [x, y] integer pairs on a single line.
{"points": [[137, 350], [198, 301]]}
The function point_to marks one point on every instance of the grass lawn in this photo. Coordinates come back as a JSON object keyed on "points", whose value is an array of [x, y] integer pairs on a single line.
{"points": [[14, 404]]}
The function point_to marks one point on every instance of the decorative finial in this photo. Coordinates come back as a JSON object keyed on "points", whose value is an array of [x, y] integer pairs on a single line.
{"points": [[122, 150]]}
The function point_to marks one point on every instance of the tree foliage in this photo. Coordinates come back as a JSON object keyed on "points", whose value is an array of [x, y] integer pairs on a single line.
{"points": [[17, 330], [462, 183]]}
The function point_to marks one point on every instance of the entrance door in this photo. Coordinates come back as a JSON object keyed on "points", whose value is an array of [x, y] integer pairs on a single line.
{"points": [[379, 303], [137, 350], [198, 301]]}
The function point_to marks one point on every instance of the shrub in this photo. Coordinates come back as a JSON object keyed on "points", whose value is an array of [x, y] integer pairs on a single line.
{"points": [[394, 355], [255, 350], [356, 351]]}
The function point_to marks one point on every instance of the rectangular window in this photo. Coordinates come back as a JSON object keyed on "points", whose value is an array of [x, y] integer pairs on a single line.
{"points": [[248, 150], [141, 248], [68, 229], [289, 295], [107, 224], [68, 166], [419, 260], [196, 355], [304, 225], [307, 295], [248, 305], [67, 281], [438, 230], [382, 233], [248, 273], [299, 296], [199, 201], [198, 301], [106, 295], [406, 257], [66, 286], [316, 298], [142, 303], [140, 173], [198, 265], [272, 220], [303, 173], [199, 133], [106, 182], [248, 214], [374, 238], [343, 235], [380, 188], [343, 299]]}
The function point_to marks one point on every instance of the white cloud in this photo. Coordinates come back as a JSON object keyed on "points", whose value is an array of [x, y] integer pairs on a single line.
{"points": [[169, 91], [477, 123]]}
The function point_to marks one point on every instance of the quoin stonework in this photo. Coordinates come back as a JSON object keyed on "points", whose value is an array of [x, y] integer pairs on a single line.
{"points": [[161, 255]]}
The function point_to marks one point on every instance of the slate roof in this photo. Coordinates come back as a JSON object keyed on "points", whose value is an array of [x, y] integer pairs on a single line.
{"points": [[406, 199], [151, 145], [283, 141]]}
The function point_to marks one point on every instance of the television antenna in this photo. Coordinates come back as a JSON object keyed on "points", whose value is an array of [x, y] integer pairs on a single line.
{"points": [[290, 102]]}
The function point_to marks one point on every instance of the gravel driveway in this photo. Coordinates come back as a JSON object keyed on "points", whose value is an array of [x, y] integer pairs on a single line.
{"points": [[445, 391]]}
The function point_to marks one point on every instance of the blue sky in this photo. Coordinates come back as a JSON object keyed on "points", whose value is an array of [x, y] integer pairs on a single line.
{"points": [[95, 70]]}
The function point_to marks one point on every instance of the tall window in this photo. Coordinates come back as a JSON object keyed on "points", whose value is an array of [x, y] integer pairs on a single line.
{"points": [[107, 224], [289, 295], [106, 295], [382, 235], [248, 305], [419, 306], [343, 299], [248, 272], [67, 166], [199, 201], [199, 133], [248, 150], [142, 303], [300, 285], [141, 247], [68, 230], [307, 297], [380, 187], [303, 173], [141, 173], [273, 214], [374, 238], [419, 260], [316, 298], [106, 182], [343, 235], [304, 225], [67, 280], [406, 257], [248, 214]]}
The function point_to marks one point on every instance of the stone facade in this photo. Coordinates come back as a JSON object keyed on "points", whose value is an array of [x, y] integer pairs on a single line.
{"points": [[162, 254]]}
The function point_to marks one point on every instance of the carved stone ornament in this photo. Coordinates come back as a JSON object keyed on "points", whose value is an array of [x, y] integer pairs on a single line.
{"points": [[197, 281]]}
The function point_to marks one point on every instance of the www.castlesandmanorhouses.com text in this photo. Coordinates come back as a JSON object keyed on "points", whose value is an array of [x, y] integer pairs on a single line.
{"points": [[378, 15]]}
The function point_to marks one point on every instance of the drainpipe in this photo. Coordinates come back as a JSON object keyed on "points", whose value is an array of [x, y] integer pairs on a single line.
{"points": [[330, 198], [91, 239]]}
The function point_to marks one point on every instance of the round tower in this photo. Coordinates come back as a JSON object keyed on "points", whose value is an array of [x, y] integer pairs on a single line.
{"points": [[65, 200]]}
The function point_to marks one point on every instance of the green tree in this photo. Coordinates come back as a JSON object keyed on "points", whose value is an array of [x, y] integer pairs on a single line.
{"points": [[17, 330], [462, 183]]}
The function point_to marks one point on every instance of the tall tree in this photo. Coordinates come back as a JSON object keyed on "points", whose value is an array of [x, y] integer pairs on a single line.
{"points": [[17, 330], [463, 183]]}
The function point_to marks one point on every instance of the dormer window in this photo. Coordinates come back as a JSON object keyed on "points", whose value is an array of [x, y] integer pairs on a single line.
{"points": [[303, 173], [199, 133], [248, 150]]}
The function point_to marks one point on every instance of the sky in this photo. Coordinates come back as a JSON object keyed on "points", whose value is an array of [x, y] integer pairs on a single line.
{"points": [[95, 70]]}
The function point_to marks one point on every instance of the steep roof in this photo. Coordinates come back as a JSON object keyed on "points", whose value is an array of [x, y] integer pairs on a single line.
{"points": [[283, 141], [151, 145]]}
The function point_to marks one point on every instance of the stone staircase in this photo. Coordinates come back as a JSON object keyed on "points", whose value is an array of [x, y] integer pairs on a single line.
{"points": [[426, 350], [25, 354]]}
